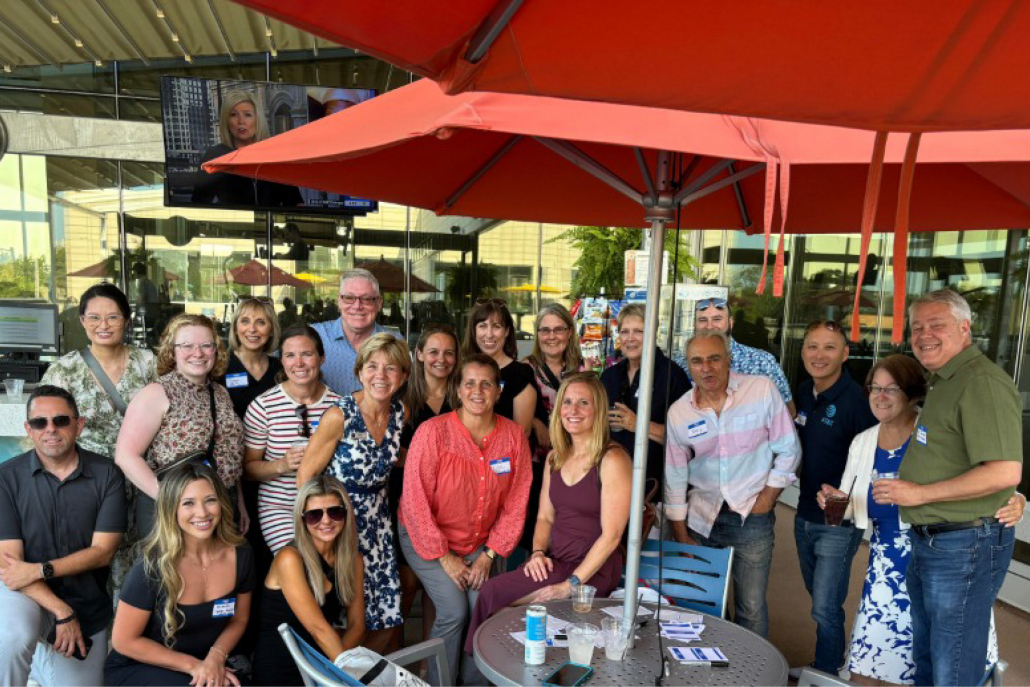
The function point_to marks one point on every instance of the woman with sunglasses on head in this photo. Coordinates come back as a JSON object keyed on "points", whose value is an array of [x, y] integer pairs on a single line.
{"points": [[358, 442], [186, 602], [491, 331], [181, 415], [315, 584], [124, 369], [277, 428]]}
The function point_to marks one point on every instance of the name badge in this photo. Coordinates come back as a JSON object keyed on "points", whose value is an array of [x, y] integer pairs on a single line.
{"points": [[361, 436], [697, 429], [237, 380], [921, 434], [501, 466], [801, 419], [314, 426], [224, 608]]}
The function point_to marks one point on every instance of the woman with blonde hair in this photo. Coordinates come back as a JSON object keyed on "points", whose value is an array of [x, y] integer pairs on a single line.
{"points": [[253, 335], [186, 602], [576, 541], [182, 417], [358, 442], [315, 579]]}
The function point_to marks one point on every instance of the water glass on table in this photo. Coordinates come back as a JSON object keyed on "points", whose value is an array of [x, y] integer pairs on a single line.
{"points": [[616, 638], [583, 598], [14, 388], [581, 642]]}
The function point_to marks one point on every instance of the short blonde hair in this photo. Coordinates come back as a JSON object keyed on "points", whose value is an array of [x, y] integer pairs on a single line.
{"points": [[631, 310], [267, 308], [166, 347], [396, 352], [231, 100]]}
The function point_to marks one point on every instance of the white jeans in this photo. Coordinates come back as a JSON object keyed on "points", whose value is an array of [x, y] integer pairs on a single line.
{"points": [[24, 649]]}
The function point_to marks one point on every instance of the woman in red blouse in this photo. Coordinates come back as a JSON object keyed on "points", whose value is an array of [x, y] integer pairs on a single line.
{"points": [[466, 482]]}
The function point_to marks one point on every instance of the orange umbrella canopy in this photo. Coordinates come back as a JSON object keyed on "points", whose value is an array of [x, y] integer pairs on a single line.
{"points": [[254, 273], [921, 65], [527, 158]]}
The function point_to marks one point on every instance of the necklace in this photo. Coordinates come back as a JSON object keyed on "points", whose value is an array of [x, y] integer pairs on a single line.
{"points": [[212, 560], [373, 422]]}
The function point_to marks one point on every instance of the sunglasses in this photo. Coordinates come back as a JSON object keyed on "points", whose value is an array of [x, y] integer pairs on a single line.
{"points": [[335, 513], [719, 303], [59, 421], [499, 302], [832, 325], [302, 413]]}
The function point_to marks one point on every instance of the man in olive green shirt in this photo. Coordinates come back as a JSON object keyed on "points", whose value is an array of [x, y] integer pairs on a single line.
{"points": [[962, 465]]}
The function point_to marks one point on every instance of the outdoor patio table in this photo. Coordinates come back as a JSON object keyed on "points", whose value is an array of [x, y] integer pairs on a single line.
{"points": [[753, 660]]}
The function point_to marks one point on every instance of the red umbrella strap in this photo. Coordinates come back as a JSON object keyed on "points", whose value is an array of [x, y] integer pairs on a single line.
{"points": [[771, 168], [901, 237], [872, 199], [784, 197]]}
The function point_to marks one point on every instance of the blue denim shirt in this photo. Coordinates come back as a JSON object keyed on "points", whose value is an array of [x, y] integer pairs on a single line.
{"points": [[340, 356]]}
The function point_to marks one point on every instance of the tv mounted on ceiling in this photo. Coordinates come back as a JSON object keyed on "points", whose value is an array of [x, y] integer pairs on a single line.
{"points": [[207, 118]]}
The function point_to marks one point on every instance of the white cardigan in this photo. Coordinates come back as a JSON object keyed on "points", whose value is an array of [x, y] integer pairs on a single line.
{"points": [[861, 459]]}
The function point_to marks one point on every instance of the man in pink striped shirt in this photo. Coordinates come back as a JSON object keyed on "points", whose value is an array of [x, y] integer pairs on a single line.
{"points": [[731, 441]]}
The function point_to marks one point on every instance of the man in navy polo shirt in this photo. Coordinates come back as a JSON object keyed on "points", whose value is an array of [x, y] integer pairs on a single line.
{"points": [[832, 409]]}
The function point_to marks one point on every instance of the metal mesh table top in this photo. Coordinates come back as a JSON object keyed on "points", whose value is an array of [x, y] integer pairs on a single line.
{"points": [[753, 660]]}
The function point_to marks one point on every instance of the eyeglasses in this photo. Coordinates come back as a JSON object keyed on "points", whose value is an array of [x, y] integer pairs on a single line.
{"points": [[547, 331], [111, 320], [192, 347], [876, 390], [58, 421], [335, 513], [302, 413], [348, 299], [719, 303], [499, 302]]}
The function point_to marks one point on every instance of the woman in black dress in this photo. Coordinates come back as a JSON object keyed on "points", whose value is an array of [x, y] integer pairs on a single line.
{"points": [[186, 602]]}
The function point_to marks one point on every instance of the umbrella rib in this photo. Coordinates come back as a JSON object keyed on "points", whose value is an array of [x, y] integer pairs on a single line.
{"points": [[478, 174], [491, 28], [723, 183], [652, 194], [745, 216], [708, 175], [589, 165]]}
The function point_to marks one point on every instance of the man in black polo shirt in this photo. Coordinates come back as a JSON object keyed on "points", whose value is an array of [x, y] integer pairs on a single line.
{"points": [[62, 516], [832, 409]]}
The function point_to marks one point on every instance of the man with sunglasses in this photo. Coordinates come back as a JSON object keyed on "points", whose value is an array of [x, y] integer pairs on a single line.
{"points": [[360, 303], [831, 411], [714, 313], [62, 517]]}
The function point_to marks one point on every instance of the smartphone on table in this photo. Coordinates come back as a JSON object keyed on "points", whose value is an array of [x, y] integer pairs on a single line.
{"points": [[568, 675]]}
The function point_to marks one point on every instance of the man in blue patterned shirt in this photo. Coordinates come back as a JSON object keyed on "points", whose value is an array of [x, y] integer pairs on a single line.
{"points": [[713, 313], [360, 303]]}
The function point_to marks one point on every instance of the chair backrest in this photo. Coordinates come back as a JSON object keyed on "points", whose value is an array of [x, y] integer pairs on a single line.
{"points": [[650, 514], [315, 669], [696, 577], [993, 676]]}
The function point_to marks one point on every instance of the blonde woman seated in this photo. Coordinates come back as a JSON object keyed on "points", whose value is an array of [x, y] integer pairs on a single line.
{"points": [[186, 602], [315, 580], [576, 540]]}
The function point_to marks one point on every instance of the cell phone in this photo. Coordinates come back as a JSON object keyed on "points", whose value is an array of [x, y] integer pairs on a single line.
{"points": [[560, 637], [52, 637], [569, 675]]}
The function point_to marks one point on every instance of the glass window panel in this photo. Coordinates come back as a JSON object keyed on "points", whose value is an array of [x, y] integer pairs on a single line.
{"points": [[138, 79], [58, 103], [72, 77]]}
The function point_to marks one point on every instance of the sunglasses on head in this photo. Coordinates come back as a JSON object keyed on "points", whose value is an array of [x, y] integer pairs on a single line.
{"points": [[59, 421], [335, 513], [302, 413], [719, 303], [499, 302], [832, 325]]}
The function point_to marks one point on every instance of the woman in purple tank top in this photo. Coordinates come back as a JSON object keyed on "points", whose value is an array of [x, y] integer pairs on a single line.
{"points": [[576, 540]]}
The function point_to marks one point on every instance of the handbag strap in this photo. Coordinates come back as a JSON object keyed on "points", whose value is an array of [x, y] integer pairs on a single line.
{"points": [[214, 423], [105, 382]]}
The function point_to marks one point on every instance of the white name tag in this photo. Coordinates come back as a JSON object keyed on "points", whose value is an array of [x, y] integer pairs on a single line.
{"points": [[224, 608], [801, 419], [501, 466], [236, 380], [921, 434], [697, 429]]}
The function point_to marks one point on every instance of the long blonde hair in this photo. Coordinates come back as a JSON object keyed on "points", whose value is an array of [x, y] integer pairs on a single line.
{"points": [[561, 440], [164, 546], [346, 544]]}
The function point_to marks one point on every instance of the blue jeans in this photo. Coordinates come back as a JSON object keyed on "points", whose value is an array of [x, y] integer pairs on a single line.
{"points": [[825, 555], [953, 580], [752, 544]]}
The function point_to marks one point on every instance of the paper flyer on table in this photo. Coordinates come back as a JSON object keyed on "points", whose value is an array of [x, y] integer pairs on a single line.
{"points": [[697, 654], [675, 616]]}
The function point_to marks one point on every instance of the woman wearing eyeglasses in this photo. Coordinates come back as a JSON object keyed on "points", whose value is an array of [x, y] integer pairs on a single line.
{"points": [[104, 314], [182, 414], [277, 428], [315, 584], [491, 331]]}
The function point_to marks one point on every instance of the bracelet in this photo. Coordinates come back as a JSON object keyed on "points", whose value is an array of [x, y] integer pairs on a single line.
{"points": [[64, 621], [215, 647], [536, 551]]}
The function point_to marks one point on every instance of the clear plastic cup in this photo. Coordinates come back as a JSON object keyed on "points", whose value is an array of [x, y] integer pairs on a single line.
{"points": [[616, 638], [14, 387], [583, 598], [884, 475], [581, 642]]}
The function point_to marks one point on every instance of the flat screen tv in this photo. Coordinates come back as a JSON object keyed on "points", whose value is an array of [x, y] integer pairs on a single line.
{"points": [[207, 118]]}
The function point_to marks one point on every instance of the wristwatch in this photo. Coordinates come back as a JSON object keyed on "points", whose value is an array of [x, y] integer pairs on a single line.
{"points": [[574, 581], [48, 570], [490, 553]]}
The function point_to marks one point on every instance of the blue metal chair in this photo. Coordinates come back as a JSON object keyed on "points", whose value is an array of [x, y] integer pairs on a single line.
{"points": [[696, 577]]}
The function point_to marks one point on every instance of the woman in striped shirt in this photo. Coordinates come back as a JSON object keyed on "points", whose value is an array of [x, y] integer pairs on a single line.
{"points": [[277, 427]]}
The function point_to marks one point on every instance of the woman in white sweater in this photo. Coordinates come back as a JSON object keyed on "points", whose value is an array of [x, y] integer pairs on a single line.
{"points": [[881, 640]]}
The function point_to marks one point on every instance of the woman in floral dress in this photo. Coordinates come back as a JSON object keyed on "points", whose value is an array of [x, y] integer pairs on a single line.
{"points": [[358, 442]]}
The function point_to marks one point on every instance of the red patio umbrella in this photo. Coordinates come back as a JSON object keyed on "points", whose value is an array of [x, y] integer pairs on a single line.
{"points": [[255, 273], [391, 278], [105, 268], [921, 65]]}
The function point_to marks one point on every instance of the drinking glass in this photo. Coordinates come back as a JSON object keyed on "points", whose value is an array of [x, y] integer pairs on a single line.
{"points": [[583, 598], [14, 388], [581, 642], [615, 638]]}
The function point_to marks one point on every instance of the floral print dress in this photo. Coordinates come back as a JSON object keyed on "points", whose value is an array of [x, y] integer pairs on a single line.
{"points": [[364, 468]]}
